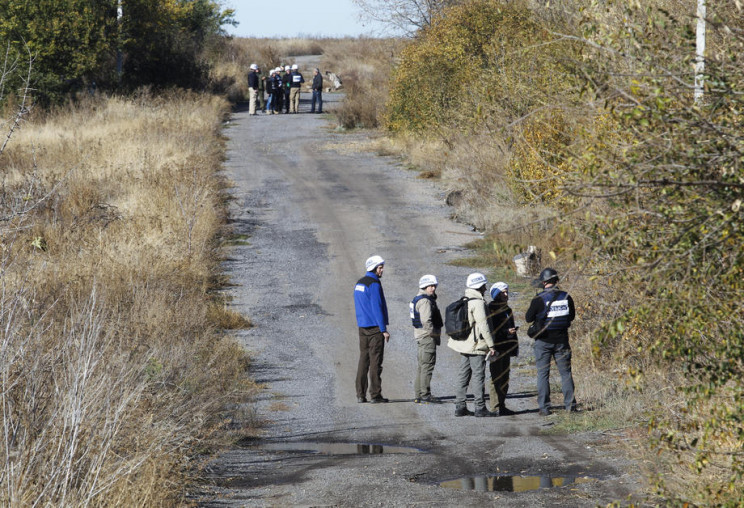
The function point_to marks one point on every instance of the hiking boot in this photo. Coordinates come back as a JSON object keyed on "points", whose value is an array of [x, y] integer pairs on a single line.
{"points": [[505, 411], [361, 400], [544, 412], [379, 400], [428, 399], [480, 413], [463, 411]]}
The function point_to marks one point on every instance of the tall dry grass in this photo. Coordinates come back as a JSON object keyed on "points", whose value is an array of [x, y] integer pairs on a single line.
{"points": [[112, 376], [364, 64]]}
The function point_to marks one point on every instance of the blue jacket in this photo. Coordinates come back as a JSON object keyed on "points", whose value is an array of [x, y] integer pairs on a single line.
{"points": [[369, 302]]}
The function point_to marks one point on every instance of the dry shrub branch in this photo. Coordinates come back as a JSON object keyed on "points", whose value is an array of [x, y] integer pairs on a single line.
{"points": [[572, 126], [112, 376]]}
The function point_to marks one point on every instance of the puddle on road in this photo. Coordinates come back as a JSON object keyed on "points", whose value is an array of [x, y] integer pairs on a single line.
{"points": [[505, 483], [336, 448]]}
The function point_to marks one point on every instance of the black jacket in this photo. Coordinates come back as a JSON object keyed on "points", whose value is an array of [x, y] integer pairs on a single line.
{"points": [[253, 80], [500, 320], [318, 82], [537, 307]]}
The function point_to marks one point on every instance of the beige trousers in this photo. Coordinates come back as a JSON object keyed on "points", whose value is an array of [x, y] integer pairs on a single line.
{"points": [[294, 100]]}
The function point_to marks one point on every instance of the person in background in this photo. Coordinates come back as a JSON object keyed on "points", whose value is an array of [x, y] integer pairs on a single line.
{"points": [[261, 90], [427, 329], [372, 320], [270, 92], [294, 89], [286, 82], [317, 91], [252, 89], [501, 322], [278, 90]]}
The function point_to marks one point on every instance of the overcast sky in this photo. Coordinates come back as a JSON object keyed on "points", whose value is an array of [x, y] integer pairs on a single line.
{"points": [[289, 18]]}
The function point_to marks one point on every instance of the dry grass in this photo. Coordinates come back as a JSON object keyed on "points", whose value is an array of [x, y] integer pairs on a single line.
{"points": [[112, 370], [364, 65]]}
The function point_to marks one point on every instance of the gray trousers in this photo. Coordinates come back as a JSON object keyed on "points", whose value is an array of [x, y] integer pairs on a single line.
{"points": [[471, 366], [427, 358], [544, 351]]}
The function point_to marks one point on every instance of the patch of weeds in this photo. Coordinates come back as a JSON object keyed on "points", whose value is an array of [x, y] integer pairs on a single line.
{"points": [[430, 174], [491, 252], [237, 240], [227, 319], [278, 406], [585, 421]]}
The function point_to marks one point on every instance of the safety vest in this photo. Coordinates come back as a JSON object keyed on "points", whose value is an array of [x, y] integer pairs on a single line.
{"points": [[436, 316], [556, 317]]}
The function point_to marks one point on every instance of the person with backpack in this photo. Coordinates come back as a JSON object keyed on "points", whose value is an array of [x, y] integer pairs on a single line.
{"points": [[501, 323], [552, 311], [372, 320], [473, 347], [427, 328]]}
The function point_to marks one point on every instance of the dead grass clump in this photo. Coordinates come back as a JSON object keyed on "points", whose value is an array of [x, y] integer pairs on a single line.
{"points": [[364, 66], [113, 369]]}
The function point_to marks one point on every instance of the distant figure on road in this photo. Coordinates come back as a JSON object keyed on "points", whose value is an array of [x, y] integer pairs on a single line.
{"points": [[295, 85], [501, 322], [317, 91], [261, 90], [252, 89], [554, 310], [427, 328], [278, 90], [473, 350], [286, 81], [372, 320], [270, 93]]}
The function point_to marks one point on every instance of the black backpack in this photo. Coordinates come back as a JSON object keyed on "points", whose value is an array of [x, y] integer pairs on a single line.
{"points": [[456, 322]]}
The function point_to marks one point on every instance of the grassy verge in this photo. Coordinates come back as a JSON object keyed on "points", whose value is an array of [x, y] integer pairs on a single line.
{"points": [[114, 371]]}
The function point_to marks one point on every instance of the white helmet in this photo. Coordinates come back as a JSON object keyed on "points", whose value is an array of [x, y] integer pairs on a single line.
{"points": [[428, 280], [254, 67], [476, 280], [294, 67], [497, 288], [373, 263], [286, 67]]}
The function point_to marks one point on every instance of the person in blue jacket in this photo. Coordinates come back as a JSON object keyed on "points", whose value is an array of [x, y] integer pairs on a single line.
{"points": [[372, 320]]}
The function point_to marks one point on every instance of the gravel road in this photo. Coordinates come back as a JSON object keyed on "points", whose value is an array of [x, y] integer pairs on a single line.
{"points": [[313, 210]]}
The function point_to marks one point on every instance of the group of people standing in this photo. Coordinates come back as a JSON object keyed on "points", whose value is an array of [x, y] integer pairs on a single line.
{"points": [[492, 340], [282, 88]]}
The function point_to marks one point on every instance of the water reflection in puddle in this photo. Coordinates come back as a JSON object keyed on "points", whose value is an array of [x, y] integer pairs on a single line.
{"points": [[335, 448], [504, 483]]}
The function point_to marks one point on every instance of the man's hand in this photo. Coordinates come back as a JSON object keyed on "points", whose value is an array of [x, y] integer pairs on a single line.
{"points": [[386, 335]]}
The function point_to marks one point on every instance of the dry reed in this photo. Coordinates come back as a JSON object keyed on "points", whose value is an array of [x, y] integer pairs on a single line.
{"points": [[111, 372]]}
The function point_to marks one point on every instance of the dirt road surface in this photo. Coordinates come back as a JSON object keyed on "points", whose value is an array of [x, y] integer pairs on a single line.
{"points": [[313, 210]]}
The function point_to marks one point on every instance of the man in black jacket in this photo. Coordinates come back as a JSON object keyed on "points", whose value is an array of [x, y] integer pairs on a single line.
{"points": [[554, 311], [317, 91]]}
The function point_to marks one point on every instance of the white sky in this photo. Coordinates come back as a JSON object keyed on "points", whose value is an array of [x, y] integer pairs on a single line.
{"points": [[289, 18]]}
